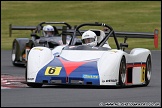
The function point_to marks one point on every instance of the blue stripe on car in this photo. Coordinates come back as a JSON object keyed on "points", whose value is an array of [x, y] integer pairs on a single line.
{"points": [[88, 73]]}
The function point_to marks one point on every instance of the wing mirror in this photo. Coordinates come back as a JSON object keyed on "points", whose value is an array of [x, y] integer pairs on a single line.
{"points": [[123, 46]]}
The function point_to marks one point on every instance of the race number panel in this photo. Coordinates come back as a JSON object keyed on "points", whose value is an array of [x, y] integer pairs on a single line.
{"points": [[53, 70]]}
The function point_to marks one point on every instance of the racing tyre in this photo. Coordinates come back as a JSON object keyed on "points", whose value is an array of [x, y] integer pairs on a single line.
{"points": [[34, 85], [14, 55], [148, 70], [122, 72]]}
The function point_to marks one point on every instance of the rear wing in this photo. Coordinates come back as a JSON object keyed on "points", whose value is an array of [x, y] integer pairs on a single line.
{"points": [[33, 28], [126, 35], [153, 35]]}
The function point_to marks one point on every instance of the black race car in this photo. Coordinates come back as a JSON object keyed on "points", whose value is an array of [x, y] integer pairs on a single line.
{"points": [[22, 46]]}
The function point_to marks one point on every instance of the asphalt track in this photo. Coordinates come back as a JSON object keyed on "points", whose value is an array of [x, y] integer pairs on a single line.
{"points": [[19, 95]]}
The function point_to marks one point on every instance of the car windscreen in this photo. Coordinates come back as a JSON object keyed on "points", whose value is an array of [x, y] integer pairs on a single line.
{"points": [[85, 47]]}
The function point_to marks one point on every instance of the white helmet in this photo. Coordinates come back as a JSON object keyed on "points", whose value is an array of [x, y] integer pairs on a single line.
{"points": [[48, 30], [89, 38]]}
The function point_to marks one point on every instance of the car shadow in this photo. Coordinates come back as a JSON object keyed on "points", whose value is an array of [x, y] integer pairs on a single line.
{"points": [[86, 87]]}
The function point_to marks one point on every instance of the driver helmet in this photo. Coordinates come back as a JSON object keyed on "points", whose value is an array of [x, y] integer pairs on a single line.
{"points": [[89, 38], [48, 31]]}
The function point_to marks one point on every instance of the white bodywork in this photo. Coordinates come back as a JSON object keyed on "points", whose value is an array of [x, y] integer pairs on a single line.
{"points": [[39, 57], [108, 62]]}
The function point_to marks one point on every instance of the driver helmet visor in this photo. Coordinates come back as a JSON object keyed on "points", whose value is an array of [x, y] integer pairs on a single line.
{"points": [[88, 40], [49, 32]]}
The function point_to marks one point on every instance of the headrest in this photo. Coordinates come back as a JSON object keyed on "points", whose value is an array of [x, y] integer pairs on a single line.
{"points": [[100, 34]]}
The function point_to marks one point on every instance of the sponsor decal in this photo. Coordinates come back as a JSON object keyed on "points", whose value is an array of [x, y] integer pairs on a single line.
{"points": [[30, 78], [90, 76], [86, 35], [103, 81], [53, 70], [38, 49], [111, 80]]}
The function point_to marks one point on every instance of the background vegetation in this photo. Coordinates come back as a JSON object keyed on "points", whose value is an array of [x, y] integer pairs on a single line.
{"points": [[133, 16]]}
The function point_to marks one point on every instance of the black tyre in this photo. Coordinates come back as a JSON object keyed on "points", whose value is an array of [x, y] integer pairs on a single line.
{"points": [[122, 72], [13, 54], [34, 85], [148, 70]]}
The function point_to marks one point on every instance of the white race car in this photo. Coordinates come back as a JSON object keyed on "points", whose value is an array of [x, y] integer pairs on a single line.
{"points": [[77, 64]]}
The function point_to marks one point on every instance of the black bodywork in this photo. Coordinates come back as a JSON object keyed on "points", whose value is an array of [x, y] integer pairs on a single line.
{"points": [[21, 45]]}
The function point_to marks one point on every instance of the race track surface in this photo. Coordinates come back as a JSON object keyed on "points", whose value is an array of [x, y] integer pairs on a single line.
{"points": [[16, 94]]}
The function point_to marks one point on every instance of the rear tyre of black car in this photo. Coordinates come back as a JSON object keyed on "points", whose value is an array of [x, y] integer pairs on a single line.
{"points": [[14, 54], [122, 72]]}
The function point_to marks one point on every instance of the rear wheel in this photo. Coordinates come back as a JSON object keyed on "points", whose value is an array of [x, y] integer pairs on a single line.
{"points": [[13, 54], [122, 72], [148, 70]]}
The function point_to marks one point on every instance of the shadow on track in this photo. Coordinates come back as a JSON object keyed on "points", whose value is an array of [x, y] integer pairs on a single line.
{"points": [[86, 87]]}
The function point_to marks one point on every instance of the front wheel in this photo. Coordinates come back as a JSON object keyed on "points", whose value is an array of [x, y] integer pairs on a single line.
{"points": [[122, 72], [148, 70], [34, 85]]}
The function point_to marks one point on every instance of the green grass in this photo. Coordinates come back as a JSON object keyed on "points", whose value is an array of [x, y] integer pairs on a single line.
{"points": [[135, 16]]}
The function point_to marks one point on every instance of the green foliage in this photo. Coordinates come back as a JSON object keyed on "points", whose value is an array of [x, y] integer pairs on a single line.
{"points": [[135, 16]]}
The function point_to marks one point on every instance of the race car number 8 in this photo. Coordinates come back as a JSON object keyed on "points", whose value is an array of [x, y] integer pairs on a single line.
{"points": [[53, 71]]}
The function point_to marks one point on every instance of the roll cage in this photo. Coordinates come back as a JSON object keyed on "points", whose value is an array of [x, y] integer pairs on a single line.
{"points": [[40, 26], [112, 33], [101, 43]]}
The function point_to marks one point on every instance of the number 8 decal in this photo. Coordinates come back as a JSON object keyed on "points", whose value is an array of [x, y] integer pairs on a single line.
{"points": [[53, 70]]}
